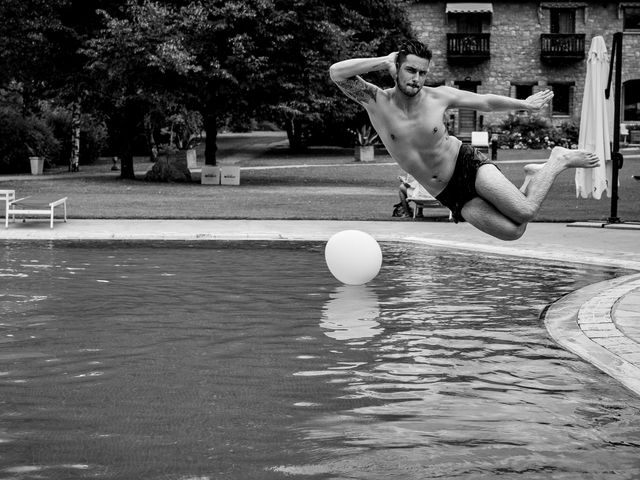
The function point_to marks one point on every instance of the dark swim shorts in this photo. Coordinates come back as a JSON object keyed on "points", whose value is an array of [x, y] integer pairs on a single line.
{"points": [[462, 185]]}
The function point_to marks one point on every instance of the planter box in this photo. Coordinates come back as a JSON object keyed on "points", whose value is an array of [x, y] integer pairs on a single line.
{"points": [[230, 175], [364, 154], [37, 165], [192, 160], [634, 136], [210, 175]]}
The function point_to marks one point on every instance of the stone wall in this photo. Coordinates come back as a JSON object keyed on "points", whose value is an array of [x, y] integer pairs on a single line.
{"points": [[515, 29]]}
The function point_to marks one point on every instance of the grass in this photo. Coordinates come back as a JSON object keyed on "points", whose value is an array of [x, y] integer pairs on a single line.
{"points": [[332, 187]]}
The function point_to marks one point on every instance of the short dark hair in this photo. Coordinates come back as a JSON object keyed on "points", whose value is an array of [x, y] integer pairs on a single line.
{"points": [[413, 47]]}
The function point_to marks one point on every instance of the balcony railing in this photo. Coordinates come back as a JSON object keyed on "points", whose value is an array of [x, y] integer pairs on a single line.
{"points": [[562, 46], [468, 46]]}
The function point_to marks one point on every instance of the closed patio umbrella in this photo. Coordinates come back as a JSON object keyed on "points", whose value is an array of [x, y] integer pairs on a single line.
{"points": [[596, 124]]}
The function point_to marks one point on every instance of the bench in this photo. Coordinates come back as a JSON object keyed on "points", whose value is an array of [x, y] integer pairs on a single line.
{"points": [[35, 206]]}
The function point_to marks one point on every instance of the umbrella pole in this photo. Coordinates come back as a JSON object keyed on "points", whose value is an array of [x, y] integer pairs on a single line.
{"points": [[616, 156]]}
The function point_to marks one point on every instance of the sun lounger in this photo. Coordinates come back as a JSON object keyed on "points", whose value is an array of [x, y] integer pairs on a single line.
{"points": [[423, 199], [35, 206]]}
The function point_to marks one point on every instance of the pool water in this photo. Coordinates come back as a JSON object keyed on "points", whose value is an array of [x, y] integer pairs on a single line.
{"points": [[249, 361]]}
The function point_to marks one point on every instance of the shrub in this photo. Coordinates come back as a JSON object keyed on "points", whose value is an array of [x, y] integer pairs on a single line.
{"points": [[525, 131], [22, 137]]}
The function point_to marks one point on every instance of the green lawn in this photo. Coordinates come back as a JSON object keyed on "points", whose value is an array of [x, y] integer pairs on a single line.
{"points": [[333, 187]]}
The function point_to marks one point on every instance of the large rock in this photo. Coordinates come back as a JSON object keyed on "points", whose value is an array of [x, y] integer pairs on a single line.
{"points": [[170, 168]]}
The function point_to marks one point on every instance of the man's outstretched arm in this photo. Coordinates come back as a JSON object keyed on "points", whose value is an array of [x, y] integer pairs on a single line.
{"points": [[346, 75], [493, 103]]}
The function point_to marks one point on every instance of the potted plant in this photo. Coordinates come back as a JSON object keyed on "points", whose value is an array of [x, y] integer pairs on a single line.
{"points": [[365, 140], [36, 161]]}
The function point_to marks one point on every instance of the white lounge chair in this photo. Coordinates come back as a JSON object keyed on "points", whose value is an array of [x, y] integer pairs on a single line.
{"points": [[423, 199], [35, 206], [8, 196]]}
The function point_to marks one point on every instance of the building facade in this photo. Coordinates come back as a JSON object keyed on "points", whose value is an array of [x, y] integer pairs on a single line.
{"points": [[516, 48]]}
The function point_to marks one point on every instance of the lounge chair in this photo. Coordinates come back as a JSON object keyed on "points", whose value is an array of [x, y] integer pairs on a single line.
{"points": [[35, 206], [423, 199], [8, 196]]}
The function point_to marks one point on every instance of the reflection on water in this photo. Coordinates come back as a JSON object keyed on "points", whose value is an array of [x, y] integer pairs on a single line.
{"points": [[351, 313], [249, 361]]}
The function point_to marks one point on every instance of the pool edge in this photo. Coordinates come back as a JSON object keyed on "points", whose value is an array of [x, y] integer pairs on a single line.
{"points": [[583, 322]]}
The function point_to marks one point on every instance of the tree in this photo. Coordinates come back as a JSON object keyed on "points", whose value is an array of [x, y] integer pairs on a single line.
{"points": [[314, 34], [140, 63], [231, 44], [40, 59], [270, 59]]}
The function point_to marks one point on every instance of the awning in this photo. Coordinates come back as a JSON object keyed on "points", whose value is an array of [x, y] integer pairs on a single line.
{"points": [[563, 4], [467, 7]]}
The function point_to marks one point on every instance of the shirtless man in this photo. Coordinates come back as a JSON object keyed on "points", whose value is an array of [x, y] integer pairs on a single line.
{"points": [[408, 119]]}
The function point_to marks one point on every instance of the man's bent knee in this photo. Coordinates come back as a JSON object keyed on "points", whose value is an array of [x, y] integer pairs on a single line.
{"points": [[527, 211], [514, 233], [485, 217]]}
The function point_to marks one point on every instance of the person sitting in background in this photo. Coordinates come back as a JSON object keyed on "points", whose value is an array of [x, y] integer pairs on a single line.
{"points": [[410, 188]]}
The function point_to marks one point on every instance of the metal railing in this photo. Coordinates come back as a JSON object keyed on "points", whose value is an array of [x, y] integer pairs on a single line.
{"points": [[562, 45], [468, 45]]}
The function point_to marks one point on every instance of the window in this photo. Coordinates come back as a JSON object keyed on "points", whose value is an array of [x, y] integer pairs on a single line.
{"points": [[563, 20], [469, 23], [631, 22], [631, 90], [523, 91], [561, 103]]}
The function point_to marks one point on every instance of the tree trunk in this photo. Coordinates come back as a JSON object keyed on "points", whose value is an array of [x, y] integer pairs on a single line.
{"points": [[126, 124], [126, 170], [126, 137], [294, 134], [74, 160], [211, 140], [151, 139]]}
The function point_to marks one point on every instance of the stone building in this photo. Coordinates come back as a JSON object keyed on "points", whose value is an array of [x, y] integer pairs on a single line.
{"points": [[516, 48]]}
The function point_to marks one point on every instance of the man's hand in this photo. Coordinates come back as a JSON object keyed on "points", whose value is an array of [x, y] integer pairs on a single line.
{"points": [[391, 64], [539, 100]]}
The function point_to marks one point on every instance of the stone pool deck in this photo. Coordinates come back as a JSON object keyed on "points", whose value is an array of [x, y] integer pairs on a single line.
{"points": [[600, 323]]}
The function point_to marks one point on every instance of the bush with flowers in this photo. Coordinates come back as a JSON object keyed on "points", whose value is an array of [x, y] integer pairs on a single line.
{"points": [[519, 131]]}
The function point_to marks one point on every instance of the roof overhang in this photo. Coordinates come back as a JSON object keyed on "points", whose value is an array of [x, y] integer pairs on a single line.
{"points": [[563, 4], [470, 7]]}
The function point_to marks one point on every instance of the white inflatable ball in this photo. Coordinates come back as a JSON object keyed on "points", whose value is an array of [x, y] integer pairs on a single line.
{"points": [[353, 257]]}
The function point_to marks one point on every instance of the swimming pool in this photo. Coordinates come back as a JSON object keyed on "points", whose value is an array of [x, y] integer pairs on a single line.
{"points": [[248, 360]]}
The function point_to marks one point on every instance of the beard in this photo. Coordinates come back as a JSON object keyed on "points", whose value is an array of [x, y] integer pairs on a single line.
{"points": [[410, 90]]}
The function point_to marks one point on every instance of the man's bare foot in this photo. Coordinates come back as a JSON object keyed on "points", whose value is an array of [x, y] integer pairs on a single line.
{"points": [[574, 158]]}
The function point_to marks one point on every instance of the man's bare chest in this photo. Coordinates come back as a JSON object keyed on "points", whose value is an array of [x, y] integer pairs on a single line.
{"points": [[421, 131]]}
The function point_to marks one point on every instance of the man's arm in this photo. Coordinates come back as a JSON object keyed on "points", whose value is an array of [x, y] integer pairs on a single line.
{"points": [[346, 75], [495, 103]]}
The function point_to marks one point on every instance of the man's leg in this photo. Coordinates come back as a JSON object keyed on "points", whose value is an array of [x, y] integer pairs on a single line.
{"points": [[486, 218], [521, 207], [402, 193]]}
